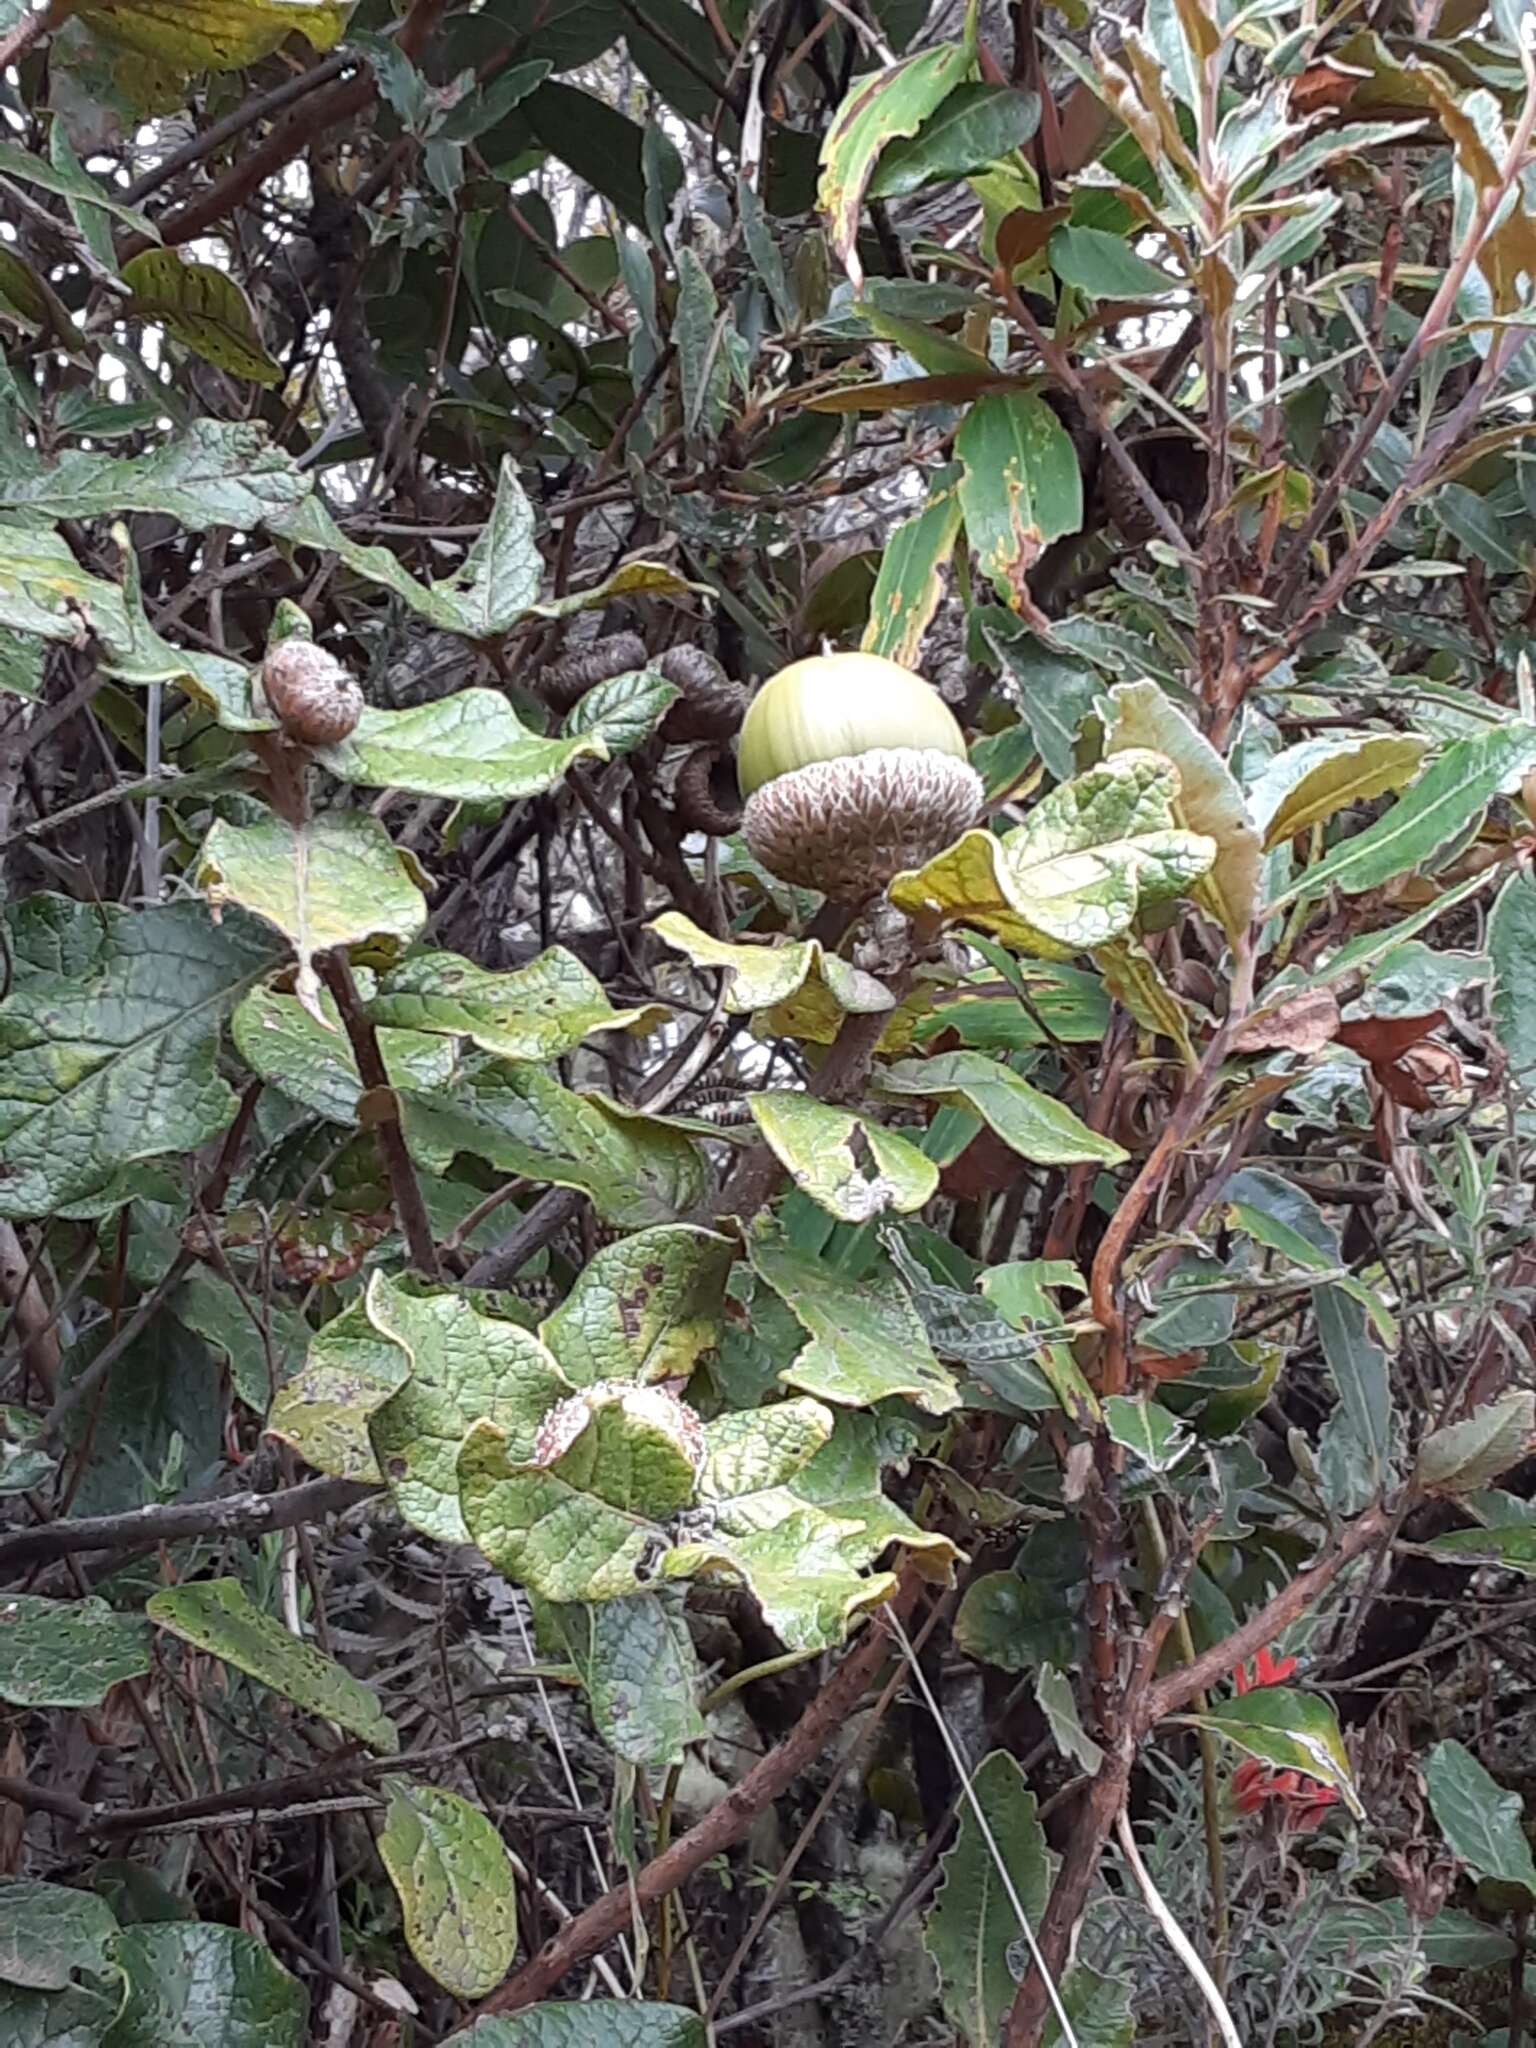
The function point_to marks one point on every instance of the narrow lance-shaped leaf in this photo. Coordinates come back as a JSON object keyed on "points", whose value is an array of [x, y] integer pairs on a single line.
{"points": [[1290, 1731], [880, 109], [218, 1615], [997, 1878], [911, 579]]}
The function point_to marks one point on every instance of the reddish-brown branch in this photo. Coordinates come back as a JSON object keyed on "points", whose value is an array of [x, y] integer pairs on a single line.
{"points": [[725, 1825]]}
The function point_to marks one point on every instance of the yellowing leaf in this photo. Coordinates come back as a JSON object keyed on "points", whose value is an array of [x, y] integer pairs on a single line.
{"points": [[1209, 800], [1021, 488], [216, 35], [888, 104], [1308, 783], [202, 308], [911, 579], [1074, 875], [822, 1145]]}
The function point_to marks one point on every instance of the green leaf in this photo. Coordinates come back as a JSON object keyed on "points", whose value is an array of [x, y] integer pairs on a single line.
{"points": [[753, 1451], [71, 182], [470, 746], [77, 2018], [258, 1350], [1288, 1730], [647, 1308], [1361, 1373], [768, 977], [867, 1340], [1053, 1689], [336, 881], [466, 1367], [350, 1371], [882, 108], [641, 1673], [975, 125], [195, 1982], [595, 2023], [1020, 1290], [1106, 267], [697, 335], [496, 585], [1075, 874], [854, 1169], [1510, 1544], [1467, 1456], [109, 1044], [623, 712], [1447, 798], [1483, 1824], [204, 309], [1029, 1122], [603, 147], [1056, 692], [48, 1931], [638, 1169], [584, 1519], [1512, 948], [458, 1901], [538, 1012], [217, 1615], [216, 473], [911, 579], [1147, 1431], [974, 1333], [1006, 1621], [1208, 800], [1295, 239], [310, 1059], [217, 35], [997, 1879], [1021, 486], [1308, 783]]}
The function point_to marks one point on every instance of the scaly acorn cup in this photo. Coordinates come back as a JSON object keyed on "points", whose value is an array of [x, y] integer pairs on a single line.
{"points": [[854, 769]]}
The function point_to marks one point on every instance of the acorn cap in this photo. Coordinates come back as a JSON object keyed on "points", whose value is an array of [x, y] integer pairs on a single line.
{"points": [[845, 827], [836, 705], [315, 699], [704, 797]]}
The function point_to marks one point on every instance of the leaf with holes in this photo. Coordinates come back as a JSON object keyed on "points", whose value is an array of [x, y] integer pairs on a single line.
{"points": [[854, 1169], [538, 1012], [458, 1901], [217, 1615], [647, 1308]]}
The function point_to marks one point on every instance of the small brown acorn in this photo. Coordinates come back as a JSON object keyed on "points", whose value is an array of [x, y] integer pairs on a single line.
{"points": [[313, 697], [566, 681], [711, 706], [705, 797]]}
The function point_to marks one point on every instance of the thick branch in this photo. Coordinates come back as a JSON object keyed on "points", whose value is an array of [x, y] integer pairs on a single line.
{"points": [[238, 1514]]}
